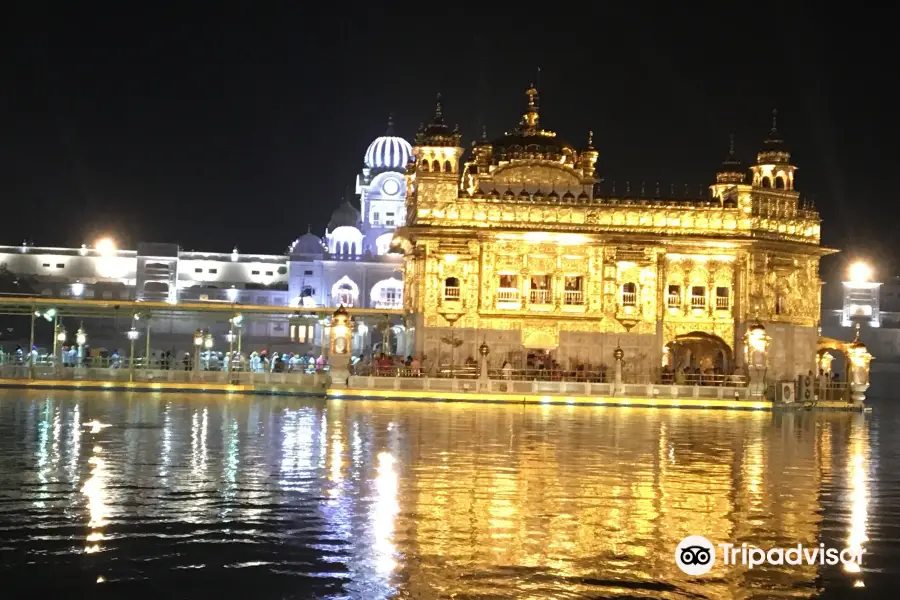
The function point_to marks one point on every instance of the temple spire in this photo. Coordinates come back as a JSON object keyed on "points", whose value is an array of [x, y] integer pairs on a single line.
{"points": [[390, 127], [438, 113], [531, 117]]}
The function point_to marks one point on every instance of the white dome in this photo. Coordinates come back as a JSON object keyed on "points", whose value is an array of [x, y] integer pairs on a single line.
{"points": [[388, 152]]}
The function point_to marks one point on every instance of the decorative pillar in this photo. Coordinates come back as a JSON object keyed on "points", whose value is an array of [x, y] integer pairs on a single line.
{"points": [[756, 351], [618, 355], [859, 369], [339, 361], [132, 338]]}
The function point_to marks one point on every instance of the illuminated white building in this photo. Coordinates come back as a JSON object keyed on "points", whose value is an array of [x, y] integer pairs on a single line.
{"points": [[350, 265]]}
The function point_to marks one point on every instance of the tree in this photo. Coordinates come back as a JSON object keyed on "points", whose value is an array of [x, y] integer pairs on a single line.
{"points": [[11, 283]]}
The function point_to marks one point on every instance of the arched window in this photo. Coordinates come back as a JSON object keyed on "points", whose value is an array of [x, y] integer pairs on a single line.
{"points": [[779, 183], [447, 166], [345, 295], [780, 304], [436, 167], [345, 291], [451, 288], [629, 294], [425, 165], [766, 182]]}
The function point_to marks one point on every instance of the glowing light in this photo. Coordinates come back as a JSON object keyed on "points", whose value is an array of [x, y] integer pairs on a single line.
{"points": [[77, 288], [860, 272], [105, 246]]}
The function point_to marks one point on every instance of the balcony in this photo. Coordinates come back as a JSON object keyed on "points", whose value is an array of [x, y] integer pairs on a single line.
{"points": [[698, 302], [722, 303], [540, 297], [673, 301], [508, 295], [451, 293], [574, 297], [629, 299]]}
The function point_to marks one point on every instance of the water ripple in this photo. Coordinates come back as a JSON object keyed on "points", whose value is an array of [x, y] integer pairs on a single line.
{"points": [[282, 498]]}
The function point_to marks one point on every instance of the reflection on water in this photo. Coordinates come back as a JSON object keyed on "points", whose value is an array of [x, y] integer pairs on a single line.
{"points": [[287, 498]]}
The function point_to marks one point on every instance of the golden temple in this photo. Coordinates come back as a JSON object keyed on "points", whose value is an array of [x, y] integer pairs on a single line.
{"points": [[515, 248]]}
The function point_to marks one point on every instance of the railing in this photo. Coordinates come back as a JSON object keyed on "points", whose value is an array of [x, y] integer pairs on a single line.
{"points": [[574, 297], [595, 374], [297, 379], [698, 301], [540, 296], [721, 303], [451, 292], [391, 303], [522, 381], [629, 298], [674, 301], [507, 294]]}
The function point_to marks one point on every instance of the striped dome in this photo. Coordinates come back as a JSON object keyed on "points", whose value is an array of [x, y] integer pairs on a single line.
{"points": [[388, 152]]}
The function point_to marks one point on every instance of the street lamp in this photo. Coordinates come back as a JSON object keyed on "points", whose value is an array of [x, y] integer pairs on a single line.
{"points": [[59, 338], [208, 341], [132, 334], [81, 340], [238, 322], [230, 337], [860, 272], [198, 341]]}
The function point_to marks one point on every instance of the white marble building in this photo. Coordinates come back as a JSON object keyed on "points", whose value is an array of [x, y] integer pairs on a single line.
{"points": [[350, 265]]}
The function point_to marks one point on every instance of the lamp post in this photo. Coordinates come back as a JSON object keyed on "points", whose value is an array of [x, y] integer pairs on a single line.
{"points": [[451, 316], [198, 341], [59, 338], [81, 340], [230, 337], [238, 322], [484, 350], [132, 334], [618, 356], [756, 346], [339, 359], [859, 368]]}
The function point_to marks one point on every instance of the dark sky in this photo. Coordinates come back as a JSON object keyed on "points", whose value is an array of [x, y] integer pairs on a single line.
{"points": [[211, 129]]}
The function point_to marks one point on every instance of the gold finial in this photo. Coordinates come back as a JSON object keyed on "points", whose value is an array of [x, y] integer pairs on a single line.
{"points": [[390, 127], [657, 190], [590, 138], [627, 187], [531, 117], [774, 120], [642, 189], [438, 115], [484, 133], [671, 190], [731, 145]]}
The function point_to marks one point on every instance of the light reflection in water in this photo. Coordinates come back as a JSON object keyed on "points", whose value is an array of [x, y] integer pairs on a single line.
{"points": [[433, 501], [858, 475], [383, 513], [94, 489]]}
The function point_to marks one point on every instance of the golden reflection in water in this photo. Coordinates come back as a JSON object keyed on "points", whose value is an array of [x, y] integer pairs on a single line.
{"points": [[384, 511], [74, 443], [94, 489], [858, 477], [510, 496]]}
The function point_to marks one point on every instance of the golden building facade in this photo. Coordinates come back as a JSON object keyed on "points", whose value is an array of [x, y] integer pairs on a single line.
{"points": [[513, 248]]}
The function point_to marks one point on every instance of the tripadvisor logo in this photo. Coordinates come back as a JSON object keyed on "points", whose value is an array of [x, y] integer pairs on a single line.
{"points": [[696, 555]]}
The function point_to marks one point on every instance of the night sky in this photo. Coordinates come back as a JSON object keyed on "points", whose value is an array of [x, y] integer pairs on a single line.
{"points": [[215, 130]]}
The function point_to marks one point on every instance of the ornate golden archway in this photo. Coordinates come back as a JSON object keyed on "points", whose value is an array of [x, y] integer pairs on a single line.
{"points": [[701, 350]]}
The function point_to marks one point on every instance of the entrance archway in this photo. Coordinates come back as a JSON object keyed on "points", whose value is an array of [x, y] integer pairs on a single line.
{"points": [[699, 350]]}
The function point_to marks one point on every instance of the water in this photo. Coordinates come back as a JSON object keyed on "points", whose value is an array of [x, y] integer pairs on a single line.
{"points": [[148, 496]]}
